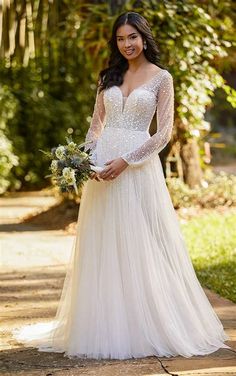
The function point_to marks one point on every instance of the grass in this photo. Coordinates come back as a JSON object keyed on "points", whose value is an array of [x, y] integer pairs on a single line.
{"points": [[211, 240]]}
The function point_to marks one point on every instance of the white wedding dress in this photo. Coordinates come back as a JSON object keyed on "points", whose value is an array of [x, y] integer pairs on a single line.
{"points": [[130, 290]]}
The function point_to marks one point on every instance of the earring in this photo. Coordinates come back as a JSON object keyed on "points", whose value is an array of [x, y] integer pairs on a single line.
{"points": [[145, 45]]}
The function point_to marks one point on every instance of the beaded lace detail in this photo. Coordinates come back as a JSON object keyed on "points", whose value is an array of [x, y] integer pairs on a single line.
{"points": [[135, 113], [97, 122]]}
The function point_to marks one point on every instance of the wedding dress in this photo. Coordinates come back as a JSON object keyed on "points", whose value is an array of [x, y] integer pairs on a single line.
{"points": [[130, 289]]}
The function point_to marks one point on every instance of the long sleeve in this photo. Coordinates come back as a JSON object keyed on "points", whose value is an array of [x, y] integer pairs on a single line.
{"points": [[165, 119], [97, 123]]}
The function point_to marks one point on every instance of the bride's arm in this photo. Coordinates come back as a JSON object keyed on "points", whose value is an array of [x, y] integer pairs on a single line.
{"points": [[165, 119], [97, 122]]}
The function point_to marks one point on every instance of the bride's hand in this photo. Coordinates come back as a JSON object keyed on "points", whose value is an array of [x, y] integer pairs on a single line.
{"points": [[113, 169], [95, 175]]}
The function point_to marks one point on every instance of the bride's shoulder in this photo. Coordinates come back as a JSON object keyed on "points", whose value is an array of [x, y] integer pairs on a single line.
{"points": [[165, 76], [162, 80], [160, 73], [155, 68]]}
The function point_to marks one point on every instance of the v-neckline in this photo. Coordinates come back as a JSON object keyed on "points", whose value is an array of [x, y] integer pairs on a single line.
{"points": [[138, 87]]}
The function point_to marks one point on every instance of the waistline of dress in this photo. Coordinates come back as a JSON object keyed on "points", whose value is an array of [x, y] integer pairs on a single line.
{"points": [[124, 129]]}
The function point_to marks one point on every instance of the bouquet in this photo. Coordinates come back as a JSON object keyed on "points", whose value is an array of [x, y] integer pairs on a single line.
{"points": [[70, 166]]}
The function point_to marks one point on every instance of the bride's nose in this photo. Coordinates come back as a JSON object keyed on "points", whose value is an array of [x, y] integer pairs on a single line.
{"points": [[127, 43]]}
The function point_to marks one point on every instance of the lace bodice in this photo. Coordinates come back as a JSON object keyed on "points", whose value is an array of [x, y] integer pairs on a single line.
{"points": [[135, 112]]}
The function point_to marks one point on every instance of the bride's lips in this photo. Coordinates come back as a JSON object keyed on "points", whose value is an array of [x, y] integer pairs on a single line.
{"points": [[129, 52]]}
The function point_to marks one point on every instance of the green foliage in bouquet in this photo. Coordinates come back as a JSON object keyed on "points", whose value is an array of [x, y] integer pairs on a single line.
{"points": [[70, 166]]}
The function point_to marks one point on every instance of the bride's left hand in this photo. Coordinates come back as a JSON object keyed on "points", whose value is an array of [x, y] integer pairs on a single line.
{"points": [[115, 167]]}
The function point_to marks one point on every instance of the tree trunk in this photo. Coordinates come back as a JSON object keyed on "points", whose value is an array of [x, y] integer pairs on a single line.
{"points": [[192, 171]]}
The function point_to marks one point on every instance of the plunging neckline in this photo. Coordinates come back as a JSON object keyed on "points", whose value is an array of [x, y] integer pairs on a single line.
{"points": [[123, 103], [138, 87]]}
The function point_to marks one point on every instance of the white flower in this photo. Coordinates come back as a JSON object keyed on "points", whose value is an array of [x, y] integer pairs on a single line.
{"points": [[195, 132], [60, 152], [53, 166], [71, 146], [69, 175]]}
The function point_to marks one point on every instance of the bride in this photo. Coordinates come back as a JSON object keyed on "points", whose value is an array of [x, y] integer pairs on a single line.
{"points": [[130, 289]]}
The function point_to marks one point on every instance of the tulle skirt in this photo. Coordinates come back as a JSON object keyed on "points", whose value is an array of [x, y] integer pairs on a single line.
{"points": [[130, 289]]}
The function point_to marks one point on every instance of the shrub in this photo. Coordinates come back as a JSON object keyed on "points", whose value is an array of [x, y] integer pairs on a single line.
{"points": [[216, 189], [8, 159]]}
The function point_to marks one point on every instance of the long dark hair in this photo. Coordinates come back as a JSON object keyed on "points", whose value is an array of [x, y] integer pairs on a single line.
{"points": [[117, 64]]}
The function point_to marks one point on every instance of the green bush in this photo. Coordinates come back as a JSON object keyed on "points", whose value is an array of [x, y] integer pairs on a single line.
{"points": [[44, 115], [217, 189], [8, 159]]}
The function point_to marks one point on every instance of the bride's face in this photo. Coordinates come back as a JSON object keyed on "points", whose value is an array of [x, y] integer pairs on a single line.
{"points": [[129, 41]]}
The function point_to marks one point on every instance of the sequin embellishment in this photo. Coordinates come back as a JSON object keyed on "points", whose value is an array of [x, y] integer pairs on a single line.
{"points": [[134, 114]]}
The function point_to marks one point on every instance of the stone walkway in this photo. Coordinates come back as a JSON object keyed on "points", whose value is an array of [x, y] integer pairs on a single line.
{"points": [[33, 267]]}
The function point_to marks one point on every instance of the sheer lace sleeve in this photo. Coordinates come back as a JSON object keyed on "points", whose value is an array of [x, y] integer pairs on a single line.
{"points": [[97, 122], [165, 119]]}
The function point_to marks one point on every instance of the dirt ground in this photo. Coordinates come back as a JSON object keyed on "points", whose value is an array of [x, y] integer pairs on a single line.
{"points": [[36, 239]]}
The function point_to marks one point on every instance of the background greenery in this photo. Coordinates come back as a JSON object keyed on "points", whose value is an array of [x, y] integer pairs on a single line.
{"points": [[51, 53], [211, 240]]}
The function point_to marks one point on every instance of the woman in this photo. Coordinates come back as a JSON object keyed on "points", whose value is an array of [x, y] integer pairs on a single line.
{"points": [[131, 290]]}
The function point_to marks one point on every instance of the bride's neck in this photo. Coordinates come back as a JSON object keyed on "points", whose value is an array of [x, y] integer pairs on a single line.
{"points": [[136, 64]]}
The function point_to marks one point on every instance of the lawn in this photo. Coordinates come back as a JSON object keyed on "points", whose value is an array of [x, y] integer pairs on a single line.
{"points": [[211, 240]]}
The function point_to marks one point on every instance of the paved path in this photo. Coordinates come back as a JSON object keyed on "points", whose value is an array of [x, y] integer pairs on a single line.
{"points": [[33, 268]]}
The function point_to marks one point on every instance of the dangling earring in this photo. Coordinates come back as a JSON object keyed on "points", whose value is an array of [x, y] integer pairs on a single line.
{"points": [[145, 45]]}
